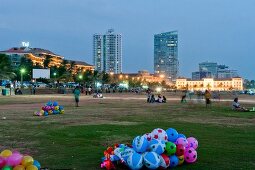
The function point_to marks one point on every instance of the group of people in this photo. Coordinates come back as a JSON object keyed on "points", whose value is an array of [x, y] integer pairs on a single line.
{"points": [[151, 97]]}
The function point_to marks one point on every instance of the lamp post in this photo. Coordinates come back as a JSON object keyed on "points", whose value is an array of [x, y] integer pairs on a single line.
{"points": [[54, 75], [22, 71], [80, 78]]}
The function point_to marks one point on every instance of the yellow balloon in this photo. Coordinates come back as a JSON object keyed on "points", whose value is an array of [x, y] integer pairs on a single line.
{"points": [[27, 160], [62, 112], [6, 153], [181, 159], [31, 167], [19, 167]]}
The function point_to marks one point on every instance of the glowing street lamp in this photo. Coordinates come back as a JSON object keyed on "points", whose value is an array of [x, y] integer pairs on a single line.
{"points": [[161, 75], [22, 71]]}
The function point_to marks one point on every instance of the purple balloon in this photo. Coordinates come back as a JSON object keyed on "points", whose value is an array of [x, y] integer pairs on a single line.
{"points": [[14, 160], [182, 141], [192, 142], [190, 155]]}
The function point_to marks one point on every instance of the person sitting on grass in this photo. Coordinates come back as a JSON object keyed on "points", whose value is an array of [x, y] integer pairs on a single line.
{"points": [[152, 99], [98, 95], [236, 106], [164, 99], [160, 99]]}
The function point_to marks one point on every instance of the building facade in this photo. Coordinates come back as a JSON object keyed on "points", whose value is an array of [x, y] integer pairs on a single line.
{"points": [[39, 55], [166, 54], [213, 70], [144, 76], [107, 52], [210, 84]]}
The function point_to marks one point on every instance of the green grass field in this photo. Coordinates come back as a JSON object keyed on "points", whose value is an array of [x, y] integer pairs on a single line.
{"points": [[77, 139]]}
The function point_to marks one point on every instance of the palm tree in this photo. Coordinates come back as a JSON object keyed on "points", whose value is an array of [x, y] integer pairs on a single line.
{"points": [[6, 71], [47, 61]]}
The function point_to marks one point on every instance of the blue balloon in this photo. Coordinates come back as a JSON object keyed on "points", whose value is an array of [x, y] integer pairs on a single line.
{"points": [[140, 144], [181, 136], [135, 161], [61, 107], [49, 103], [46, 113], [114, 158], [172, 134], [55, 103], [174, 161], [37, 164]]}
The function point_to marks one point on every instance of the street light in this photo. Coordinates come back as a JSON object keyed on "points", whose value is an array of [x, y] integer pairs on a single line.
{"points": [[22, 71], [54, 74]]}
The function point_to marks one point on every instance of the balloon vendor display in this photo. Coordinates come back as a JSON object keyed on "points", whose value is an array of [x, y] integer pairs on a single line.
{"points": [[13, 160], [160, 149], [50, 108]]}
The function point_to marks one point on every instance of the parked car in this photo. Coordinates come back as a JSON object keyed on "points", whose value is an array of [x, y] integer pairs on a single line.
{"points": [[250, 92], [40, 84]]}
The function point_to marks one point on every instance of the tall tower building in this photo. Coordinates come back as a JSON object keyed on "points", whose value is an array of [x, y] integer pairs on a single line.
{"points": [[166, 54], [107, 52], [98, 52]]}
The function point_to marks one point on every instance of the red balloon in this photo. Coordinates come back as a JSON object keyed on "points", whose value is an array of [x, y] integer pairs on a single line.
{"points": [[2, 162], [164, 161], [180, 149]]}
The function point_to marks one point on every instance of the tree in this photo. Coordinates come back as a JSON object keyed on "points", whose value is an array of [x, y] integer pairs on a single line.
{"points": [[27, 64], [47, 61], [63, 73], [105, 78], [87, 77], [6, 70]]}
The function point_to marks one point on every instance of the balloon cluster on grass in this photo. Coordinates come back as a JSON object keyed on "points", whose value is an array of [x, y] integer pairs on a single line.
{"points": [[159, 149], [16, 161], [50, 108]]}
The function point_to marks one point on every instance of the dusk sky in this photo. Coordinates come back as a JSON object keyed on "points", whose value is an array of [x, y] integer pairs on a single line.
{"points": [[221, 31]]}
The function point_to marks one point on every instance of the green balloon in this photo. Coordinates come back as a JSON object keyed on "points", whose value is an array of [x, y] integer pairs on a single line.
{"points": [[170, 148], [7, 168]]}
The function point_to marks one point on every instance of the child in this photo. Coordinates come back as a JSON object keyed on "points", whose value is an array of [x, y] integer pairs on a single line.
{"points": [[77, 93]]}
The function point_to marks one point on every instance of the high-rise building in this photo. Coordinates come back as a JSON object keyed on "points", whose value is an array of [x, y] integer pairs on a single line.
{"points": [[166, 54], [209, 67], [107, 52]]}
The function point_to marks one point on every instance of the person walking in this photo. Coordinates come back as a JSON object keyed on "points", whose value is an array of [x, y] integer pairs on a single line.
{"points": [[77, 93], [207, 98]]}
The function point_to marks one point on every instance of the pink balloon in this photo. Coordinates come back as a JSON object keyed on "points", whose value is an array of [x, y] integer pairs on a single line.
{"points": [[14, 160], [192, 142], [190, 155], [181, 141], [2, 162]]}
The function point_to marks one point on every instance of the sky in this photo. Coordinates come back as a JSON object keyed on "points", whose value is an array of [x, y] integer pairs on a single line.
{"points": [[221, 31]]}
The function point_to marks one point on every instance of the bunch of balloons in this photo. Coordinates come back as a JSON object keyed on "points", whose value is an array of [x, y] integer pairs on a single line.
{"points": [[159, 149], [16, 161], [50, 108]]}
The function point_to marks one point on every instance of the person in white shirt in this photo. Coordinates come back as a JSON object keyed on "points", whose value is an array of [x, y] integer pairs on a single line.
{"points": [[236, 106]]}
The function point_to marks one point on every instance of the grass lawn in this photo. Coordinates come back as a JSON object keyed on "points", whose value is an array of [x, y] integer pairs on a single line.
{"points": [[77, 139]]}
